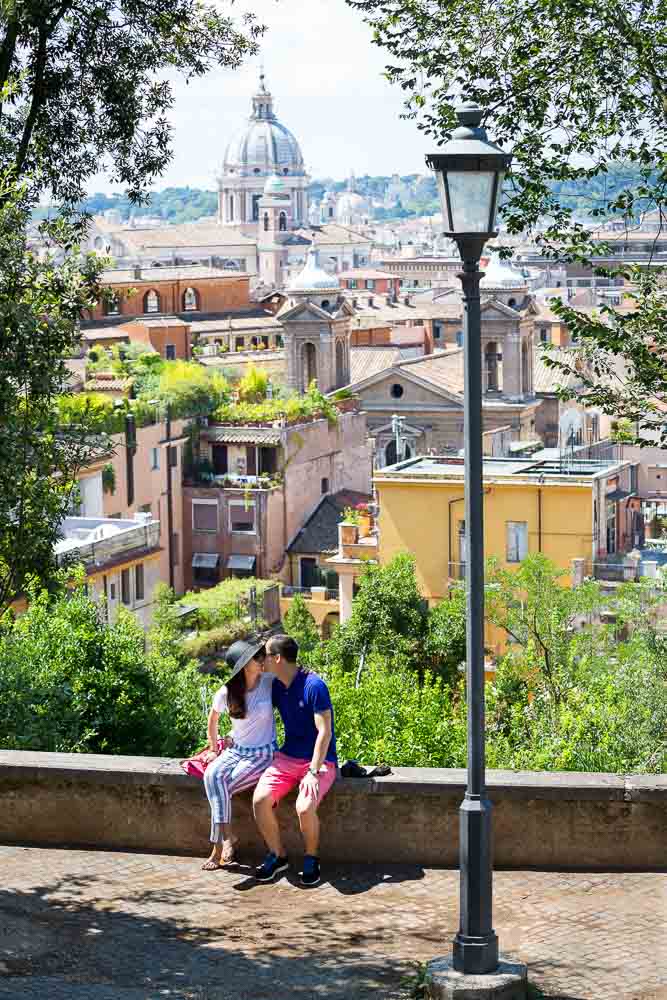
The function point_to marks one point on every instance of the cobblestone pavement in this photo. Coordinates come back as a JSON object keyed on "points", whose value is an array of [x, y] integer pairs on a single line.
{"points": [[103, 925]]}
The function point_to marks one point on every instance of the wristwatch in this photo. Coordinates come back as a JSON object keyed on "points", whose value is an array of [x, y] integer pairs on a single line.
{"points": [[315, 774]]}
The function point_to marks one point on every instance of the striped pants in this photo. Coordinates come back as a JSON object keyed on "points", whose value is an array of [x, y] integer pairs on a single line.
{"points": [[234, 770]]}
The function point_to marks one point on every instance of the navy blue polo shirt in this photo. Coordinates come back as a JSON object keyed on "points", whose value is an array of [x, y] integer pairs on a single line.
{"points": [[297, 704]]}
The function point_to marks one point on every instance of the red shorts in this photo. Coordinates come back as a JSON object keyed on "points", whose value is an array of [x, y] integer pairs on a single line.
{"points": [[285, 773]]}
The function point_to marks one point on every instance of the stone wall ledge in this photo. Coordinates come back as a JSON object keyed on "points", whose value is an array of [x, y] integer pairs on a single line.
{"points": [[564, 785]]}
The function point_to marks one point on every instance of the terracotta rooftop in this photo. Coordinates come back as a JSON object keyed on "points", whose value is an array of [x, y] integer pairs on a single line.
{"points": [[368, 361], [190, 272]]}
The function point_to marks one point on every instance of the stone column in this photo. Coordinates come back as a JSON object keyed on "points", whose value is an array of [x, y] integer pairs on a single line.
{"points": [[631, 565], [577, 572], [345, 592], [512, 365], [292, 355]]}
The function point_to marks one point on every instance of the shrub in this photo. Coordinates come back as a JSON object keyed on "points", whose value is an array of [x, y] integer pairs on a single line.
{"points": [[219, 605], [300, 624]]}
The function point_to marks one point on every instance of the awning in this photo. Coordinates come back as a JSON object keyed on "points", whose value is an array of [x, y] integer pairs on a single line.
{"points": [[241, 562], [205, 560], [619, 495]]}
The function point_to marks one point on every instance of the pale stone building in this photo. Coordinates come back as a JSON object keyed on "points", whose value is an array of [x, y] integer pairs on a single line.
{"points": [[316, 324]]}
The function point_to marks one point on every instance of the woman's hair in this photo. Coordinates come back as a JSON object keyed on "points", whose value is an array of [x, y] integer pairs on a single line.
{"points": [[236, 690]]}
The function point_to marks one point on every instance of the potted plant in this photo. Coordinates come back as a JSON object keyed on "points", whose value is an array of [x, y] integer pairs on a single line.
{"points": [[349, 526], [365, 519]]}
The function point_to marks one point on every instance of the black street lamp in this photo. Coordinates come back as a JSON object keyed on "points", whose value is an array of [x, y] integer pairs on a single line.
{"points": [[470, 172]]}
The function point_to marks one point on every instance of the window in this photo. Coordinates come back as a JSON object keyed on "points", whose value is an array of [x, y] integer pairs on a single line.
{"points": [[282, 222], [173, 457], [155, 458], [459, 338], [268, 461], [170, 352], [266, 222], [205, 515], [397, 390], [324, 486], [125, 594], [544, 335], [112, 592], [517, 541], [256, 198], [511, 303], [325, 303], [139, 582], [231, 208], [111, 306], [370, 284], [151, 302], [242, 517], [190, 300], [145, 508]]}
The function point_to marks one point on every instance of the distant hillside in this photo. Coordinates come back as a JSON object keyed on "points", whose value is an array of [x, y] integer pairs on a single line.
{"points": [[418, 197]]}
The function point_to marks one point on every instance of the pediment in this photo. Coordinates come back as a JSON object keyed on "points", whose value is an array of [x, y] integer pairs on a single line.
{"points": [[428, 391], [303, 312], [494, 309]]}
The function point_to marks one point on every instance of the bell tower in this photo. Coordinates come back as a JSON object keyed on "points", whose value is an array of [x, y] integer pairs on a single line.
{"points": [[316, 329]]}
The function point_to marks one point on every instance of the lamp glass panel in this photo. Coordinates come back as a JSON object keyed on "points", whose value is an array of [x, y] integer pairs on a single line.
{"points": [[470, 195]]}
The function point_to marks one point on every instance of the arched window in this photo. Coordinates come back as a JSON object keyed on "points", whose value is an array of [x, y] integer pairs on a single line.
{"points": [[397, 390], [340, 364], [190, 300], [491, 366], [282, 222], [285, 170], [266, 222], [151, 302], [325, 304], [331, 211], [112, 305], [391, 456], [511, 303], [309, 364]]}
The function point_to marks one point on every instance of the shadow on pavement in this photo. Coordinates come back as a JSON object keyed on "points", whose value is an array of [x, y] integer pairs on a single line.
{"points": [[54, 943]]}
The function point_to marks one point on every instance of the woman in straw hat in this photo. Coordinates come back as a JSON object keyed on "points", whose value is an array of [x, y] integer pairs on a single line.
{"points": [[246, 697]]}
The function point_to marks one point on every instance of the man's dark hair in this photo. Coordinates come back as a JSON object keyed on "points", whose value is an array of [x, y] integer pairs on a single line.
{"points": [[285, 646]]}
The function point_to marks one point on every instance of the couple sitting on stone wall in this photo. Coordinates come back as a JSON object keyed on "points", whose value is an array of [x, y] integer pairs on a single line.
{"points": [[265, 677]]}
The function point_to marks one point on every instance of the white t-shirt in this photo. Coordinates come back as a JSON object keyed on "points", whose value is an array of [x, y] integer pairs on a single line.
{"points": [[259, 726]]}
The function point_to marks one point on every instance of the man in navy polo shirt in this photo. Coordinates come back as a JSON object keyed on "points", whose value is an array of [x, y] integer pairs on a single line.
{"points": [[307, 759]]}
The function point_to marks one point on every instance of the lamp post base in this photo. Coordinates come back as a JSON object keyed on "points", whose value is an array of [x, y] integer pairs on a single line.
{"points": [[443, 982], [476, 956]]}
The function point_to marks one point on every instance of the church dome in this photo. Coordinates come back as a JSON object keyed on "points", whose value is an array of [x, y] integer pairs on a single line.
{"points": [[264, 145], [351, 206], [313, 278], [500, 274]]}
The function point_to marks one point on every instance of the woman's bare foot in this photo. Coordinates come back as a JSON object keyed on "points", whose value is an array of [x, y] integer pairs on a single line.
{"points": [[229, 850], [213, 862]]}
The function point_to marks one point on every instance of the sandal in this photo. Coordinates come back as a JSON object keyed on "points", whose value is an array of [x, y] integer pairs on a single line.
{"points": [[211, 865]]}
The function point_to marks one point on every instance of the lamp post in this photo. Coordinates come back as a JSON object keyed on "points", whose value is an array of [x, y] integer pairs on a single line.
{"points": [[470, 173]]}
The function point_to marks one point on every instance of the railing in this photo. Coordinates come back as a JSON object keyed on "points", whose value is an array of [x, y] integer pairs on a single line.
{"points": [[294, 591], [613, 571], [332, 595]]}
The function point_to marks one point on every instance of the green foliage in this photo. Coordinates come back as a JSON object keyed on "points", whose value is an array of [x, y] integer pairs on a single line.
{"points": [[569, 109], [393, 717], [40, 304], [350, 516], [445, 644], [252, 387], [215, 640], [300, 624], [293, 410], [72, 683], [109, 478], [389, 615], [89, 84], [219, 605]]}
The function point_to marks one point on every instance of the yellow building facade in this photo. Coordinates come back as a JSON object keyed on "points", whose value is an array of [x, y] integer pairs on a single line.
{"points": [[580, 512]]}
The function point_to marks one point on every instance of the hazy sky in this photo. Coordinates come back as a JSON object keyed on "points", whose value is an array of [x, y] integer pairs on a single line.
{"points": [[325, 77]]}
